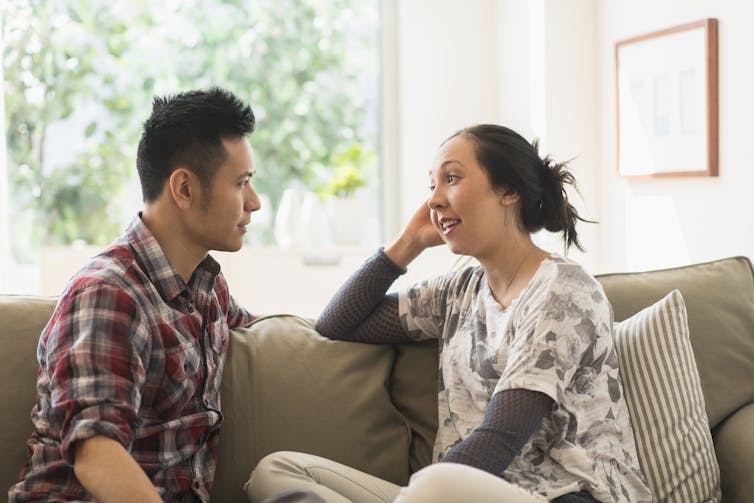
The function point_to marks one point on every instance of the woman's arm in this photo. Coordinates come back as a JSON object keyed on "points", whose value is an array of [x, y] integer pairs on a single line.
{"points": [[510, 419], [361, 311]]}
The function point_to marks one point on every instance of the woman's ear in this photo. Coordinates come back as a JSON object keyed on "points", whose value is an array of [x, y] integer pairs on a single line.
{"points": [[508, 196], [182, 187]]}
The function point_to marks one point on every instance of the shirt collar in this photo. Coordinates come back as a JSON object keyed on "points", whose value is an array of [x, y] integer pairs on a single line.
{"points": [[159, 269]]}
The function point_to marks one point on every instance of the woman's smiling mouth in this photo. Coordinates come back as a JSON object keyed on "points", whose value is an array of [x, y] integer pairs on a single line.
{"points": [[448, 224]]}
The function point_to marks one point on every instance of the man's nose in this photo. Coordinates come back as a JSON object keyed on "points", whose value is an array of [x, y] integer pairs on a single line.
{"points": [[252, 202]]}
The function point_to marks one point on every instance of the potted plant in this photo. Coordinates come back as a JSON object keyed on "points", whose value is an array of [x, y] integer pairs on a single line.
{"points": [[346, 205]]}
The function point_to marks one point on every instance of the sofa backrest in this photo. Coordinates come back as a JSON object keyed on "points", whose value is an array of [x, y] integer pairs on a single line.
{"points": [[21, 321], [719, 298]]}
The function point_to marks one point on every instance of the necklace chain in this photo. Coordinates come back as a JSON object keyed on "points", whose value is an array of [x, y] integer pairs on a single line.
{"points": [[515, 273]]}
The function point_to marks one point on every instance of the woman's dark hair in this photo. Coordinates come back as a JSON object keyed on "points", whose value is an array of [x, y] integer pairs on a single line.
{"points": [[188, 128], [514, 163]]}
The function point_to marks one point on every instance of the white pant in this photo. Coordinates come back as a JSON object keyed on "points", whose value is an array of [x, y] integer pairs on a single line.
{"points": [[338, 483]]}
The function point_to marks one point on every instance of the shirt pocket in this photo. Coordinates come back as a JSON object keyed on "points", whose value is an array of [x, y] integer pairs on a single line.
{"points": [[183, 361], [181, 376]]}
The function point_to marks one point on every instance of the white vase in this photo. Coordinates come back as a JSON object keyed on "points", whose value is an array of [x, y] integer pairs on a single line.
{"points": [[288, 219], [315, 225], [348, 220]]}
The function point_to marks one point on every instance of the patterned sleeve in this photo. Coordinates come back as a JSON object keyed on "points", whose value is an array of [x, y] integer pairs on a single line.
{"points": [[95, 352], [360, 310], [558, 333]]}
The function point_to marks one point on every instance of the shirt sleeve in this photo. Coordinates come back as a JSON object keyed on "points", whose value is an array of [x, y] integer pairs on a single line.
{"points": [[237, 315], [557, 328], [360, 310], [510, 419], [423, 307], [94, 352]]}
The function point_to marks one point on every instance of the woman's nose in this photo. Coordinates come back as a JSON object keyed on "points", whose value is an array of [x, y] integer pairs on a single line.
{"points": [[436, 198]]}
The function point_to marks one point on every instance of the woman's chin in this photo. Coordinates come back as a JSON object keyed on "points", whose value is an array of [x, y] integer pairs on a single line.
{"points": [[456, 248]]}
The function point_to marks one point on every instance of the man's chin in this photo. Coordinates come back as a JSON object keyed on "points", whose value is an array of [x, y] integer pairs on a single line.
{"points": [[229, 247]]}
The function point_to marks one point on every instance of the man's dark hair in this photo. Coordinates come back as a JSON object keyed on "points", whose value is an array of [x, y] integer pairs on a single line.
{"points": [[188, 129]]}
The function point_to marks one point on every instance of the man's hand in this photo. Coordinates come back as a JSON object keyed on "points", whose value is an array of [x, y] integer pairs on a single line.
{"points": [[111, 474]]}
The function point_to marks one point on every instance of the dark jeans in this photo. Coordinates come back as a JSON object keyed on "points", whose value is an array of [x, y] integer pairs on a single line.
{"points": [[579, 497]]}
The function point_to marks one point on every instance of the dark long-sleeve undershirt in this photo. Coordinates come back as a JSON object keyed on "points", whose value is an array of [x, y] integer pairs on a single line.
{"points": [[361, 311]]}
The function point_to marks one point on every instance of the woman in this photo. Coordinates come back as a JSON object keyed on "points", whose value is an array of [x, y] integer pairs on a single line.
{"points": [[530, 401]]}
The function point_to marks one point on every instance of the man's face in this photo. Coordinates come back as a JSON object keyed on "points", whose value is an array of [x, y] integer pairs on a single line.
{"points": [[225, 211]]}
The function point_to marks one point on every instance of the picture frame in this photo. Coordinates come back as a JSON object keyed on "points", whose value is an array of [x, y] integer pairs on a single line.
{"points": [[667, 102]]}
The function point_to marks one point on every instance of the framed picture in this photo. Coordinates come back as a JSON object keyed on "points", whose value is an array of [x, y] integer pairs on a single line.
{"points": [[667, 107]]}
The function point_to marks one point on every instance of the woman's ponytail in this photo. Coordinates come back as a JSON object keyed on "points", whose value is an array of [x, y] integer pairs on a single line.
{"points": [[558, 214]]}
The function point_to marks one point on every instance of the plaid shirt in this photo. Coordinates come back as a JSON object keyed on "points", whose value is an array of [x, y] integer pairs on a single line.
{"points": [[132, 353]]}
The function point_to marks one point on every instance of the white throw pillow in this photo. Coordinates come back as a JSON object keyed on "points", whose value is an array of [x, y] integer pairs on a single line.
{"points": [[665, 401]]}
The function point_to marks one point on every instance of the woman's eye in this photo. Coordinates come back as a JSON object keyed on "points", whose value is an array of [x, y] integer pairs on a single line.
{"points": [[431, 187], [452, 178]]}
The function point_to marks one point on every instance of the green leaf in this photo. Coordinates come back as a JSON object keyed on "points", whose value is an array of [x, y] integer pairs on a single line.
{"points": [[90, 129]]}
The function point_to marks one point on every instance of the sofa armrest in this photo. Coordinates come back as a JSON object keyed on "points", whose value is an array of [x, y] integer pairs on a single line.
{"points": [[734, 445]]}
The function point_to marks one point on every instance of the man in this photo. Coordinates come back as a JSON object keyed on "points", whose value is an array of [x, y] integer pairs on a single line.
{"points": [[130, 363]]}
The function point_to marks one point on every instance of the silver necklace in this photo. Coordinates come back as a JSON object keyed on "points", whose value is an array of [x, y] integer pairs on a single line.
{"points": [[515, 273]]}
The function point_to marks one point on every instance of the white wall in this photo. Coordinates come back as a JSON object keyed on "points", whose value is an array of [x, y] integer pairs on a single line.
{"points": [[666, 222]]}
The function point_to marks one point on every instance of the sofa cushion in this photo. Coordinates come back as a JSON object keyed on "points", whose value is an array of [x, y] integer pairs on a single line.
{"points": [[734, 444], [666, 404], [287, 388], [413, 387], [23, 319]]}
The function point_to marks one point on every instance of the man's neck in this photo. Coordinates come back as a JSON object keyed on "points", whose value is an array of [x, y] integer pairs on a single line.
{"points": [[168, 231]]}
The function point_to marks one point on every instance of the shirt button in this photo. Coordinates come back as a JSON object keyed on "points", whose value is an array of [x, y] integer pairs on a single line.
{"points": [[197, 486]]}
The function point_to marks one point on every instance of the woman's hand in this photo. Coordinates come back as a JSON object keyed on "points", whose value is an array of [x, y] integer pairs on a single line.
{"points": [[418, 235]]}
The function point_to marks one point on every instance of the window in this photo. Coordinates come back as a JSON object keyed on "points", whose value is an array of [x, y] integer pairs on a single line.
{"points": [[78, 80]]}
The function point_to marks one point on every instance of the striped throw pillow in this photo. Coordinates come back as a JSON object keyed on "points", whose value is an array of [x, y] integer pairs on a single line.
{"points": [[665, 402]]}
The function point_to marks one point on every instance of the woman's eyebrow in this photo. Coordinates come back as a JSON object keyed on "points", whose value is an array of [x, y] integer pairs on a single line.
{"points": [[445, 165]]}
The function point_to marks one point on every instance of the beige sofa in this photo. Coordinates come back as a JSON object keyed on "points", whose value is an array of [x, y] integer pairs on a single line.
{"points": [[373, 407]]}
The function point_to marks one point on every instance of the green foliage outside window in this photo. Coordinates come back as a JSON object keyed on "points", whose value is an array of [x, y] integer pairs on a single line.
{"points": [[87, 69]]}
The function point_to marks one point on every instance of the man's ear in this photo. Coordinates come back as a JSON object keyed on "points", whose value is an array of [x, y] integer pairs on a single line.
{"points": [[182, 187], [508, 196]]}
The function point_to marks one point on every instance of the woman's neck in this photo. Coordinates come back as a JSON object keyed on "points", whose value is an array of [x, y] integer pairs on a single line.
{"points": [[511, 268]]}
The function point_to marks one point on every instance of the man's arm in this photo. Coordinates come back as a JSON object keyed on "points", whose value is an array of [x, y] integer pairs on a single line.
{"points": [[111, 474]]}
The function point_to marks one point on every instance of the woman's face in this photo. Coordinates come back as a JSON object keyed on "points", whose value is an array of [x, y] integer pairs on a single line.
{"points": [[465, 209]]}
